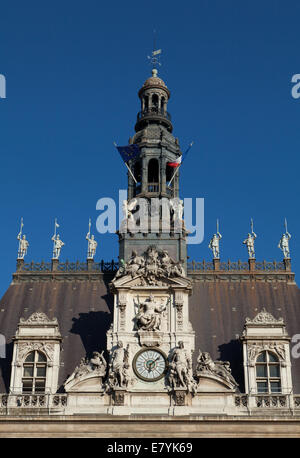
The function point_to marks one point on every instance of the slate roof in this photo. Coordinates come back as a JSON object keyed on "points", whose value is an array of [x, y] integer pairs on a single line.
{"points": [[84, 310]]}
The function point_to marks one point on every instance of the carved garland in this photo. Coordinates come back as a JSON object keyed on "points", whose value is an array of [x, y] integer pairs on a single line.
{"points": [[122, 307], [256, 348], [25, 347], [179, 307]]}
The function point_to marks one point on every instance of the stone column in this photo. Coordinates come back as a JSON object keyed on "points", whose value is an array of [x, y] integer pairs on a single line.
{"points": [[216, 263], [251, 262], [20, 264], [144, 175], [90, 264], [287, 264], [54, 264]]}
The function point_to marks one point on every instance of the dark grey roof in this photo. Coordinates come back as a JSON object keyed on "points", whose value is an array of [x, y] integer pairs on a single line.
{"points": [[84, 310]]}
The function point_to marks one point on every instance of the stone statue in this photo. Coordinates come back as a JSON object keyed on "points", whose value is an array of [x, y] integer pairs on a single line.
{"points": [[57, 242], [151, 266], [219, 368], [177, 207], [95, 366], [134, 263], [249, 241], [23, 246], [23, 243], [214, 245], [119, 367], [181, 372], [92, 244], [57, 246], [284, 245], [148, 317]]}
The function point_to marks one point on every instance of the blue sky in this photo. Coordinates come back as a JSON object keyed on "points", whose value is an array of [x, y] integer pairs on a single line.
{"points": [[73, 70]]}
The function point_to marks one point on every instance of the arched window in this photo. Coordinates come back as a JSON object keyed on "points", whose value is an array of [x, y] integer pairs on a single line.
{"points": [[268, 373], [34, 372], [153, 171], [146, 103], [155, 102], [138, 171]]}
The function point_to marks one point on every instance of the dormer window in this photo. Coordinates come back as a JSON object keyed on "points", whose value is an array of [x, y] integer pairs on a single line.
{"points": [[34, 373], [268, 373]]}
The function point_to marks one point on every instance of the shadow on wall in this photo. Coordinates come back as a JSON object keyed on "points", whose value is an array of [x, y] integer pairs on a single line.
{"points": [[233, 353], [92, 328]]}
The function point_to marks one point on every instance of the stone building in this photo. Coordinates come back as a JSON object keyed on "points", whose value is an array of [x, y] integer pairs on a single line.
{"points": [[154, 344]]}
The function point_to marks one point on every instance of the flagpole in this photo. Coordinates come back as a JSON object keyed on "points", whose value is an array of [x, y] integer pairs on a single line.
{"points": [[127, 167]]}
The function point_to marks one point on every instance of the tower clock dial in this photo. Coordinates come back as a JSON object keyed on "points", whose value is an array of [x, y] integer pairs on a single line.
{"points": [[150, 364]]}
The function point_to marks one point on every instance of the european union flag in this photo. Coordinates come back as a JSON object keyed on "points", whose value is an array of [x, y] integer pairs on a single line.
{"points": [[128, 152]]}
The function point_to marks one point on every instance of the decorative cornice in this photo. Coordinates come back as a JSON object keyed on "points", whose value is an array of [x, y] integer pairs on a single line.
{"points": [[263, 318], [38, 318]]}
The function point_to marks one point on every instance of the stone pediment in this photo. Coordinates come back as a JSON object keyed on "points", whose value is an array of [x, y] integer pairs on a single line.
{"points": [[142, 281], [85, 384], [152, 268], [211, 382], [88, 375]]}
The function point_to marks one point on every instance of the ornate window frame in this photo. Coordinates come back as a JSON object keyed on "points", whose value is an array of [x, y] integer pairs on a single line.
{"points": [[37, 333], [266, 333]]}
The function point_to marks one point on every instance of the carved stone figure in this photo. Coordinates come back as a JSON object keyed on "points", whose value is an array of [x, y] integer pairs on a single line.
{"points": [[92, 245], [284, 245], [152, 265], [249, 241], [214, 245], [181, 373], [119, 367], [149, 316], [177, 207], [95, 366], [219, 368], [134, 264], [23, 246], [57, 246]]}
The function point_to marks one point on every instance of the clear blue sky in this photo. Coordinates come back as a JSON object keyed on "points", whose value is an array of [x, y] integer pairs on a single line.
{"points": [[73, 70]]}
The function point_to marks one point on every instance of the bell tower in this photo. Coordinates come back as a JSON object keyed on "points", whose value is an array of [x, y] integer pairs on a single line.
{"points": [[155, 180]]}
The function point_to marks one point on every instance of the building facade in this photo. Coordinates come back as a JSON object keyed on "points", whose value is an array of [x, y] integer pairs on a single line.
{"points": [[155, 344]]}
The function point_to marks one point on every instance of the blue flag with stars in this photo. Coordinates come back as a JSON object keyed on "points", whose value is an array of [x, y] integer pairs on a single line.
{"points": [[128, 152]]}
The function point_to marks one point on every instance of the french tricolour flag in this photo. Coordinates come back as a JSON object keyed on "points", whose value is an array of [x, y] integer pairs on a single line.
{"points": [[175, 163]]}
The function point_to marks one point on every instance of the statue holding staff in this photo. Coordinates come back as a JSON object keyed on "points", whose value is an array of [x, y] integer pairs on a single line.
{"points": [[23, 243], [249, 241], [92, 244], [57, 242], [284, 243], [214, 243]]}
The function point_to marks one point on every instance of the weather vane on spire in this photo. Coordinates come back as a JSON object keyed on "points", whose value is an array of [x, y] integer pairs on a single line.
{"points": [[155, 55]]}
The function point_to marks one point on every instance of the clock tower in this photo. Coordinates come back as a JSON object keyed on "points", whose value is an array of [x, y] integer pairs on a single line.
{"points": [[153, 185], [151, 340]]}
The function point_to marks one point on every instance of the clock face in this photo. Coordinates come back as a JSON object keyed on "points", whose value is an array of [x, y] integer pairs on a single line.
{"points": [[150, 365]]}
